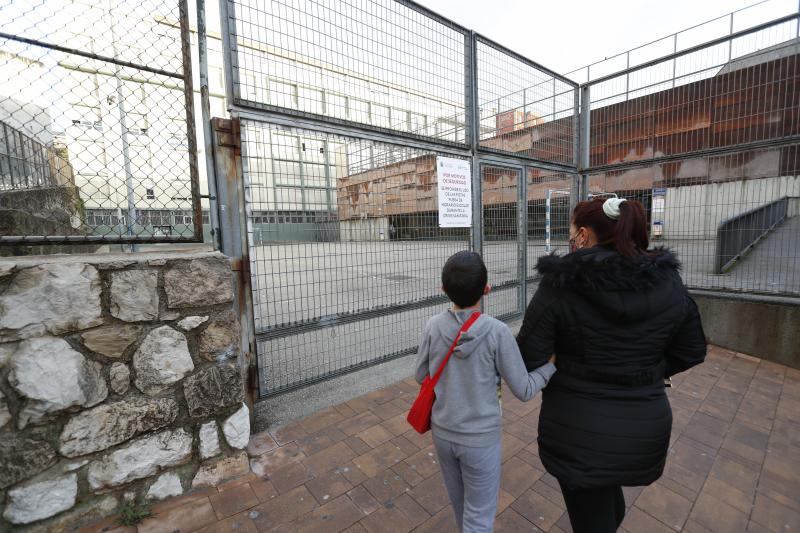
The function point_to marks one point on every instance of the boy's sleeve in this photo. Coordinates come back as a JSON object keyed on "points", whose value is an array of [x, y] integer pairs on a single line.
{"points": [[508, 360], [423, 353]]}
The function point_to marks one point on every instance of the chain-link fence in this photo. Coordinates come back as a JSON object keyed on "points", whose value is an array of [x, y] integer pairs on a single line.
{"points": [[97, 135], [707, 138]]}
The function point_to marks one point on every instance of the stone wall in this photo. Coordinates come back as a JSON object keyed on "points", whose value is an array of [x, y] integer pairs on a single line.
{"points": [[118, 382]]}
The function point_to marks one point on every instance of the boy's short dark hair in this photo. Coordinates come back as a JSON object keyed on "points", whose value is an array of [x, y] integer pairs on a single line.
{"points": [[464, 277]]}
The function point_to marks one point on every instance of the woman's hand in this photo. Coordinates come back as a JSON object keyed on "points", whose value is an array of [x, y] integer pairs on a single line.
{"points": [[552, 359]]}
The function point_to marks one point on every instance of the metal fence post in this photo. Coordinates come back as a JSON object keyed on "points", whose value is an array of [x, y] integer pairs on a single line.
{"points": [[585, 141], [205, 113], [233, 223], [473, 135], [522, 236], [574, 196]]}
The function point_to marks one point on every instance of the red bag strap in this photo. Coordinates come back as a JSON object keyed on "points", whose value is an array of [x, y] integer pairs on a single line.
{"points": [[464, 327]]}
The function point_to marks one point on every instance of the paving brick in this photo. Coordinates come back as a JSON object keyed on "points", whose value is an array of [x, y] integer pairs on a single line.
{"points": [[363, 421], [264, 490], [321, 420], [424, 462], [415, 513], [233, 501], [537, 509], [775, 515], [518, 476], [335, 456], [523, 429], [551, 493], [510, 521], [409, 474], [364, 500], [384, 456], [317, 442], [288, 433], [194, 515], [345, 410], [328, 486], [384, 520], [637, 520], [261, 443], [268, 463], [386, 485], [431, 494], [240, 523], [337, 515], [504, 501], [283, 509], [511, 445], [665, 505], [397, 425], [717, 515], [290, 476], [352, 473], [358, 446], [375, 436], [441, 522]]}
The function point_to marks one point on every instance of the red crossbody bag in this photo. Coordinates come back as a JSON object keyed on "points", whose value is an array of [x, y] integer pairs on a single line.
{"points": [[420, 414]]}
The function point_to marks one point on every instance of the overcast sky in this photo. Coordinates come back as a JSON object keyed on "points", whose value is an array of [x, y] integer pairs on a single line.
{"points": [[565, 34]]}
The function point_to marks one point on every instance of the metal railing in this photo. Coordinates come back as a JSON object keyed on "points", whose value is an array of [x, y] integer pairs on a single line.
{"points": [[738, 235]]}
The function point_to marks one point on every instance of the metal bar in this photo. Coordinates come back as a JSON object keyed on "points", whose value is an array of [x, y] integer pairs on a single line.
{"points": [[506, 158], [768, 143], [191, 133], [523, 59], [89, 55], [92, 239], [130, 217], [433, 15], [522, 237], [229, 52], [471, 67], [585, 140], [205, 110], [351, 129], [696, 48]]}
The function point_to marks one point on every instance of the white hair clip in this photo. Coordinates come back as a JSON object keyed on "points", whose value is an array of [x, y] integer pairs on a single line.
{"points": [[611, 207]]}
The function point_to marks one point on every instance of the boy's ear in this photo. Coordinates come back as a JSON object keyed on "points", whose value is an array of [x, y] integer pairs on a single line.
{"points": [[487, 289]]}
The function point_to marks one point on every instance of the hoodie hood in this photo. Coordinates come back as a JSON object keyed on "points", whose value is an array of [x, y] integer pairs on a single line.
{"points": [[624, 288], [471, 340]]}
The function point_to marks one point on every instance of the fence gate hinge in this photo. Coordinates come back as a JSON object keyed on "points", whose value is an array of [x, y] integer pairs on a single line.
{"points": [[252, 377]]}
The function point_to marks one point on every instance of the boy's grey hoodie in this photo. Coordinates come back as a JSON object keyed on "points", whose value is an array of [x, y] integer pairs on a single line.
{"points": [[467, 410]]}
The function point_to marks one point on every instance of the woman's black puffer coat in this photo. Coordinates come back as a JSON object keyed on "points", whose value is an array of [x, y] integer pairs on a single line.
{"points": [[618, 327]]}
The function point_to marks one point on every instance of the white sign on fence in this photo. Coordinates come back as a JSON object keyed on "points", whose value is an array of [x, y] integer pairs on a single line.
{"points": [[455, 192]]}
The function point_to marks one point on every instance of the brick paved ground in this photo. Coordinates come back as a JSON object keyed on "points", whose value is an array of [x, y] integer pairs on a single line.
{"points": [[734, 465]]}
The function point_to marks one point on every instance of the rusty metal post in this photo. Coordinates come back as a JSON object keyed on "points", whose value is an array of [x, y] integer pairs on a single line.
{"points": [[233, 228]]}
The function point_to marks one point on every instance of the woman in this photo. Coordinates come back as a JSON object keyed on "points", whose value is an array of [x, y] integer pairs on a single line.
{"points": [[619, 321]]}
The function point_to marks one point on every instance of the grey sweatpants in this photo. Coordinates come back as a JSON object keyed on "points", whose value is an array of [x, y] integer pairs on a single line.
{"points": [[472, 478]]}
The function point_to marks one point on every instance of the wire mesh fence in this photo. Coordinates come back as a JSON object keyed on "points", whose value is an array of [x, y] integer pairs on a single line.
{"points": [[705, 138], [378, 63], [97, 139]]}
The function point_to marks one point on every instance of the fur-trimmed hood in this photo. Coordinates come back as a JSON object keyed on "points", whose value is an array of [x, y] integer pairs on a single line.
{"points": [[618, 284]]}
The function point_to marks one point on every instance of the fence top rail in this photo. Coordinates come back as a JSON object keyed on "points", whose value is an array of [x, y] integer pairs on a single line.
{"points": [[659, 39], [441, 19], [693, 49], [752, 211], [500, 48]]}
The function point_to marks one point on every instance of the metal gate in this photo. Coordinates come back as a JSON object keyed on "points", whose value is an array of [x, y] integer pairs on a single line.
{"points": [[341, 113]]}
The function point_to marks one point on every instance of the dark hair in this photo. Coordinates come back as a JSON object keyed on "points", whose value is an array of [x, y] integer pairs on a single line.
{"points": [[464, 277], [627, 235]]}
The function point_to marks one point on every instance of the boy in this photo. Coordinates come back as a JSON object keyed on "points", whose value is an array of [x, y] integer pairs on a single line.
{"points": [[466, 420]]}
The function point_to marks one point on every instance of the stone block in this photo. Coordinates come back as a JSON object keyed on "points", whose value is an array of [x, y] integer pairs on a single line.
{"points": [[212, 389], [134, 295], [237, 428], [22, 458], [54, 377], [120, 378], [209, 440], [141, 458], [199, 282], [44, 499], [111, 341], [166, 486], [215, 472], [111, 424], [50, 299], [191, 322], [162, 359], [220, 339]]}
